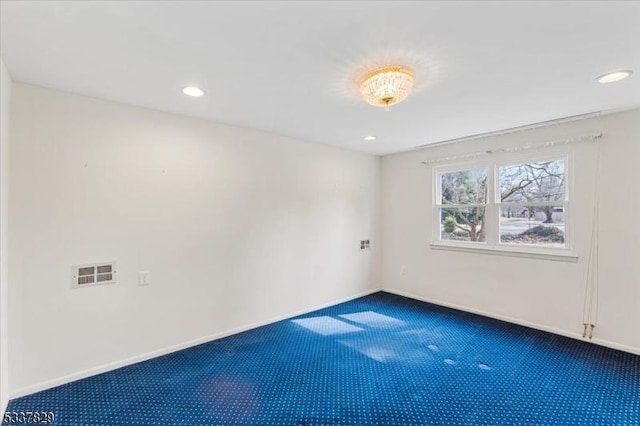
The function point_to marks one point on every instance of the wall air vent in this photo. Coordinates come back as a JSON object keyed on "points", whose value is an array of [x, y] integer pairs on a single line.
{"points": [[94, 274]]}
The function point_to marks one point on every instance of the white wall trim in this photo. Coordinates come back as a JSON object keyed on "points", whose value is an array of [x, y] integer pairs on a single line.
{"points": [[560, 255], [164, 351], [536, 326], [5, 112]]}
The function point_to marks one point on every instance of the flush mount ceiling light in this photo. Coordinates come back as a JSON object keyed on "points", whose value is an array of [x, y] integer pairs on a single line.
{"points": [[370, 138], [386, 86], [613, 76], [194, 91]]}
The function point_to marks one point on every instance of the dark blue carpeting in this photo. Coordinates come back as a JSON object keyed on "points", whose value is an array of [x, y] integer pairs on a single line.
{"points": [[378, 360]]}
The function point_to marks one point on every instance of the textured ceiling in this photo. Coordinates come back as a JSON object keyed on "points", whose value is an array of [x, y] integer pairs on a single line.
{"points": [[289, 67]]}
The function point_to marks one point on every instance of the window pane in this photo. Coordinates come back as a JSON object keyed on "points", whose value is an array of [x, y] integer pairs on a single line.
{"points": [[464, 187], [533, 182], [539, 225], [462, 224]]}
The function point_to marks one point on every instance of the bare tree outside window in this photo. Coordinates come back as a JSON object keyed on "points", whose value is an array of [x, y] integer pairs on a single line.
{"points": [[532, 197]]}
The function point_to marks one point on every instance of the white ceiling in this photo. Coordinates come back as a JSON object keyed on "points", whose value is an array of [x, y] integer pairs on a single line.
{"points": [[289, 67]]}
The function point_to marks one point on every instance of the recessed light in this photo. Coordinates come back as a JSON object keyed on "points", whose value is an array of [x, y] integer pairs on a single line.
{"points": [[614, 76], [194, 91], [370, 138]]}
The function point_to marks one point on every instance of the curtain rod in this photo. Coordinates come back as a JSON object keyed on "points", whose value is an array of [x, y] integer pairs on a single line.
{"points": [[516, 129], [584, 138]]}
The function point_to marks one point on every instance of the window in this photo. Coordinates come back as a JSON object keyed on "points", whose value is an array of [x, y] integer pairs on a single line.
{"points": [[463, 202], [509, 206], [532, 203]]}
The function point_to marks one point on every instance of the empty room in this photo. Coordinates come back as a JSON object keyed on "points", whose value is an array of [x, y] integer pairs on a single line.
{"points": [[319, 213]]}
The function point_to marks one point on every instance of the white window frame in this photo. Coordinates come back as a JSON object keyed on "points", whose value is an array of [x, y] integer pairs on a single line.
{"points": [[492, 243]]}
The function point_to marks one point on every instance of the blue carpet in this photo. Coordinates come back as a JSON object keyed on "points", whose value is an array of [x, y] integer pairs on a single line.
{"points": [[377, 360]]}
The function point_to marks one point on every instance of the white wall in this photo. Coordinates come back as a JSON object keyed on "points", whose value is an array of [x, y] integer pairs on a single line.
{"points": [[5, 96], [240, 227], [237, 227], [541, 293]]}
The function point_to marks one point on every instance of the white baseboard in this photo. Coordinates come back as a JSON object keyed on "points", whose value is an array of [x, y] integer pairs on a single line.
{"points": [[27, 390], [536, 326], [153, 354]]}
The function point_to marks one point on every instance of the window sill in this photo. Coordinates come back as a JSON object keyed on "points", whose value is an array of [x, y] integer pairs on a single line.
{"points": [[560, 255]]}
